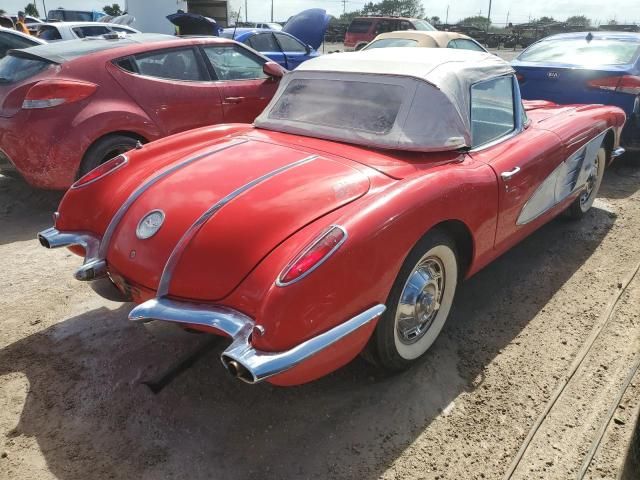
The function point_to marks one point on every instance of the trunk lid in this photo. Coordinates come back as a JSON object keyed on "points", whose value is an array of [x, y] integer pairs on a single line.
{"points": [[309, 26], [237, 237]]}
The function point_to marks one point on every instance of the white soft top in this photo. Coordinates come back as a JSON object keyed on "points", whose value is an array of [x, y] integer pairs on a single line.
{"points": [[400, 98]]}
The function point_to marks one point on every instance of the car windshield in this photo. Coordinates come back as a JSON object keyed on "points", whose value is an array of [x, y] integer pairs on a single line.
{"points": [[392, 42], [14, 69], [370, 107], [578, 51], [422, 25]]}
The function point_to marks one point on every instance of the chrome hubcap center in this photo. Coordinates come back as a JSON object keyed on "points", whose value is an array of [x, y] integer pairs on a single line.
{"points": [[591, 182], [420, 300]]}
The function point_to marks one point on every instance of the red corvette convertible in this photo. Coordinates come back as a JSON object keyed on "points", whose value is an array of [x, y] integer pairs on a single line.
{"points": [[67, 107], [342, 220]]}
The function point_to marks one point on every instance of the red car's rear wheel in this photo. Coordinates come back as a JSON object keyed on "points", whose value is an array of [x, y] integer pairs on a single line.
{"points": [[419, 303], [105, 149]]}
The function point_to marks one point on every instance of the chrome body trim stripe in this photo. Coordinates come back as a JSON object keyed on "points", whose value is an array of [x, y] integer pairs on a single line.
{"points": [[255, 365], [117, 218], [172, 262], [567, 178]]}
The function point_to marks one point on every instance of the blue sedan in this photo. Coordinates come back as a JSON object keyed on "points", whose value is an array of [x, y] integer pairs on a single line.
{"points": [[280, 47], [589, 67]]}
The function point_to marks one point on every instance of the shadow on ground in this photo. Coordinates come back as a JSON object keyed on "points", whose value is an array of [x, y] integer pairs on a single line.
{"points": [[92, 417], [24, 211], [622, 178]]}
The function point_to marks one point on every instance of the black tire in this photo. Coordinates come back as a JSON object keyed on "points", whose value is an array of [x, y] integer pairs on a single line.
{"points": [[391, 347], [105, 149], [583, 203]]}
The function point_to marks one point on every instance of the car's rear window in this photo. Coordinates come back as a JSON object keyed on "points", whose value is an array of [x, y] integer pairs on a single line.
{"points": [[49, 33], [371, 107], [360, 26], [392, 42], [578, 51], [15, 69]]}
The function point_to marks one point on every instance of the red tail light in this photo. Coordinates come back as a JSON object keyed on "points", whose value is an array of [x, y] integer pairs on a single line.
{"points": [[51, 93], [313, 256], [520, 77], [100, 171], [624, 84]]}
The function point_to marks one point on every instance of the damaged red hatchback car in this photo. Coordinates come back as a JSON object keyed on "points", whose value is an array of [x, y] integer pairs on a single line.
{"points": [[67, 107], [345, 218]]}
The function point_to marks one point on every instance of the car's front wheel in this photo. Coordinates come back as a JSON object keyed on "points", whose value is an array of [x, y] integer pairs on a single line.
{"points": [[418, 304], [584, 202]]}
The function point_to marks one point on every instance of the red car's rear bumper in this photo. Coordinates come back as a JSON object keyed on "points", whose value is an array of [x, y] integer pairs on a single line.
{"points": [[39, 150], [304, 362]]}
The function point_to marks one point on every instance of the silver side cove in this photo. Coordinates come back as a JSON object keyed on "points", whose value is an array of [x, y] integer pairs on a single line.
{"points": [[240, 358]]}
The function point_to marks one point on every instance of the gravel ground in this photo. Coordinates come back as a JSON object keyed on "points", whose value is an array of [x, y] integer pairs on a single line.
{"points": [[73, 404]]}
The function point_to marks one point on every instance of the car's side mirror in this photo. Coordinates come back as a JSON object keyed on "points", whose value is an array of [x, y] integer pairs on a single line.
{"points": [[273, 70]]}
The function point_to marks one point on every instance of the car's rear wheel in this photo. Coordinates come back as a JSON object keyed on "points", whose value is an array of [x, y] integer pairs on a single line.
{"points": [[418, 304], [105, 149], [584, 202]]}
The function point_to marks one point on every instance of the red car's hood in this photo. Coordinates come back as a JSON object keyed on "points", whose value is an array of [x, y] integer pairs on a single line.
{"points": [[287, 193]]}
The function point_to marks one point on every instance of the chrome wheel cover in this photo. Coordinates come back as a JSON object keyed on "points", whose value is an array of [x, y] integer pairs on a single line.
{"points": [[592, 181], [420, 300]]}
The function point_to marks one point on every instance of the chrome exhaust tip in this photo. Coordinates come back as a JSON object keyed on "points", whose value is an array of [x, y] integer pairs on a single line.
{"points": [[237, 370]]}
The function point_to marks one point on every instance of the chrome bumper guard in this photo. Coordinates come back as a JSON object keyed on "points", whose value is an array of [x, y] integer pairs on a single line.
{"points": [[617, 152], [93, 266], [240, 358]]}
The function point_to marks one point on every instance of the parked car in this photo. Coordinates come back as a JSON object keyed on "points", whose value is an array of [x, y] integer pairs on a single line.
{"points": [[262, 25], [422, 38], [52, 32], [345, 217], [194, 24], [64, 15], [586, 67], [298, 41], [364, 29], [67, 107], [11, 39]]}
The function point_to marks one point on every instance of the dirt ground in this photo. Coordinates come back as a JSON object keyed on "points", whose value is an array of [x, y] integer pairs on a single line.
{"points": [[73, 405]]}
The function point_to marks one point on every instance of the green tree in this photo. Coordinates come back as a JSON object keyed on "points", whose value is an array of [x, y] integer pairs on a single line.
{"points": [[2, 12], [113, 10], [435, 20], [613, 21], [402, 8], [546, 20], [476, 21], [580, 20], [31, 10]]}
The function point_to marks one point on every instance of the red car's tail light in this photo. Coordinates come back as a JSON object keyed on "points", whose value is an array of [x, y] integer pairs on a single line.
{"points": [[313, 256], [624, 84], [51, 93], [100, 171]]}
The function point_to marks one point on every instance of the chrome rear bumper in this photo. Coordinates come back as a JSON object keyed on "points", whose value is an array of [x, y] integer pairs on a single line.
{"points": [[240, 358], [93, 267]]}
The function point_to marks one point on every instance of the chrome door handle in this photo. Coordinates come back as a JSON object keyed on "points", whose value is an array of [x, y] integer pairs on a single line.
{"points": [[234, 99], [508, 175]]}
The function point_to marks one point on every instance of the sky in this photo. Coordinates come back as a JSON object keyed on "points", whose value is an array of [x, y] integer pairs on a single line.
{"points": [[624, 11]]}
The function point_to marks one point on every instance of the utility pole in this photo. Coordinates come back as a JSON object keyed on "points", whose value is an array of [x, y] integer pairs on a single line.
{"points": [[446, 21], [489, 16], [272, 10], [246, 12], [45, 8], [507, 24], [344, 6]]}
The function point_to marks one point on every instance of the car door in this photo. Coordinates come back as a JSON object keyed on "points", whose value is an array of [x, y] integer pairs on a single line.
{"points": [[294, 51], [246, 89], [266, 44], [173, 87], [521, 157]]}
